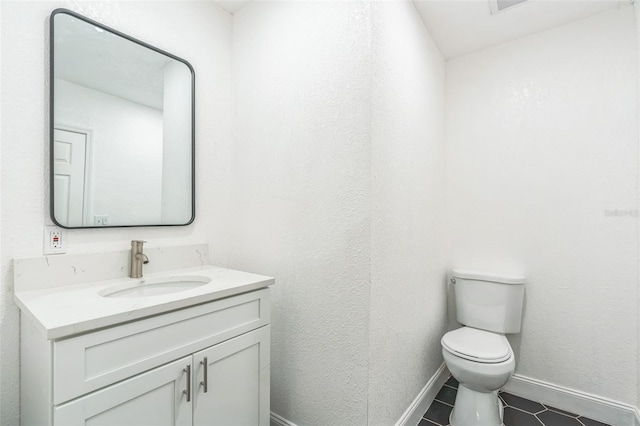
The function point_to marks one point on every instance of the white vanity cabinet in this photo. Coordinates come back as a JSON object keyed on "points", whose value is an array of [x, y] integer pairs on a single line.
{"points": [[207, 364]]}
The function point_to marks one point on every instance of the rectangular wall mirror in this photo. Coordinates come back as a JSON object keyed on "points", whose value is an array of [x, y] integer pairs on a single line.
{"points": [[121, 128]]}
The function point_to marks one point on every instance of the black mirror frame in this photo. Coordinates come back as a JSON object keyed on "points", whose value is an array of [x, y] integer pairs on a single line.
{"points": [[51, 118]]}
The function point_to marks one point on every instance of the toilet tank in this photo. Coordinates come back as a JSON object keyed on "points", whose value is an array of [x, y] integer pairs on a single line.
{"points": [[487, 301]]}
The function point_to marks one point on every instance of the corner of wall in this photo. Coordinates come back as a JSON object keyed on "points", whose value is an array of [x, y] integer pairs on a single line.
{"points": [[637, 28]]}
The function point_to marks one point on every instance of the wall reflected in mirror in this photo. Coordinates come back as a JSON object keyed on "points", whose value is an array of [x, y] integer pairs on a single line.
{"points": [[121, 129]]}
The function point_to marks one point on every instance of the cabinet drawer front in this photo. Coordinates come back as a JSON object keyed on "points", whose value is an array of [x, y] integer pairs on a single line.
{"points": [[88, 362]]}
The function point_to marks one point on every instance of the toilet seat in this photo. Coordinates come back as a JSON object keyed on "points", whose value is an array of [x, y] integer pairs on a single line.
{"points": [[477, 345]]}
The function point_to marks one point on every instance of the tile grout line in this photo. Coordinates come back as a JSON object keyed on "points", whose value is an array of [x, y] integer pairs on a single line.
{"points": [[564, 413], [521, 410], [536, 417], [445, 403]]}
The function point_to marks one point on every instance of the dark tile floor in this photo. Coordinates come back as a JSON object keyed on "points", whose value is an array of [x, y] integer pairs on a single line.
{"points": [[517, 411]]}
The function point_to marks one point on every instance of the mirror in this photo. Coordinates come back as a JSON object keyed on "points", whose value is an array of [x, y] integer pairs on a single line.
{"points": [[121, 129]]}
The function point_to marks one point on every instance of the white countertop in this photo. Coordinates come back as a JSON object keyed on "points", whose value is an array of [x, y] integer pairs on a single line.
{"points": [[79, 308]]}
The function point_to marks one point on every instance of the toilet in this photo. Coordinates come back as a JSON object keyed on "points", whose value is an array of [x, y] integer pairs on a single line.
{"points": [[478, 354]]}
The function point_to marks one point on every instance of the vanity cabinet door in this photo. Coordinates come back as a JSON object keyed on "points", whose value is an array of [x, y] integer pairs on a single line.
{"points": [[237, 382], [154, 398]]}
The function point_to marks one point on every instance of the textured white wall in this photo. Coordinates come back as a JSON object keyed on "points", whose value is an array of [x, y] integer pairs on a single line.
{"points": [[178, 27], [637, 15], [301, 196], [3, 293], [541, 146], [408, 298], [338, 180]]}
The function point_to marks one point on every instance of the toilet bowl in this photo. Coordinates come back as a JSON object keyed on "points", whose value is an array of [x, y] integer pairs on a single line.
{"points": [[482, 362], [478, 354]]}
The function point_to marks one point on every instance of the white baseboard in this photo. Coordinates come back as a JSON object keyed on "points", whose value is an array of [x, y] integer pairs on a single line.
{"points": [[413, 414], [277, 420], [592, 406]]}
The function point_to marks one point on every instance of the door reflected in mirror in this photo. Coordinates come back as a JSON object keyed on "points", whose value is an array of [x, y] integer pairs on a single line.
{"points": [[122, 120]]}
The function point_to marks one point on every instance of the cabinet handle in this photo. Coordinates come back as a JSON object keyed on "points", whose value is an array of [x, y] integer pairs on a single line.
{"points": [[188, 390], [206, 367]]}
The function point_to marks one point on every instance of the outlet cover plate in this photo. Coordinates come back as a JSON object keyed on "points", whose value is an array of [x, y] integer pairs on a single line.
{"points": [[55, 240]]}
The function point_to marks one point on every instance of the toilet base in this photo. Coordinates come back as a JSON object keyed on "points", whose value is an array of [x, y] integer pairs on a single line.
{"points": [[473, 408]]}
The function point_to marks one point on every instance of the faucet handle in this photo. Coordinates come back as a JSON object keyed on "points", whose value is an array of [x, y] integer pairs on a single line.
{"points": [[138, 241]]}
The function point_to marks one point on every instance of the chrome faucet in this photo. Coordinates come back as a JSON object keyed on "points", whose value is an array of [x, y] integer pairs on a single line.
{"points": [[137, 259]]}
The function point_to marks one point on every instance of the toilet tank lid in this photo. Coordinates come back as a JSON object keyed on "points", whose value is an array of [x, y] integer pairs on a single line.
{"points": [[485, 276]]}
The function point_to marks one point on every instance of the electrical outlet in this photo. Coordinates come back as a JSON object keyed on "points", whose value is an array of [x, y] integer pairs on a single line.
{"points": [[55, 240], [101, 220]]}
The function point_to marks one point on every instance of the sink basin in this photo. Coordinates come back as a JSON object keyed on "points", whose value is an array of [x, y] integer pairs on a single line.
{"points": [[145, 287]]}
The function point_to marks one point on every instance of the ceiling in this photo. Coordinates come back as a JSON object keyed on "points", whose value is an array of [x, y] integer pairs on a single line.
{"points": [[232, 6], [460, 27]]}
